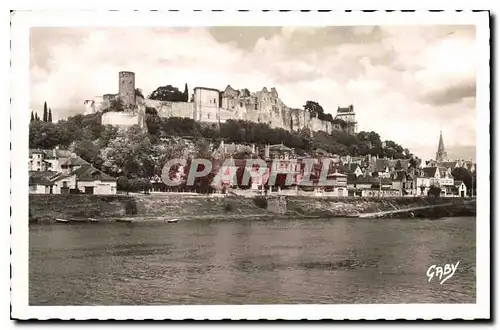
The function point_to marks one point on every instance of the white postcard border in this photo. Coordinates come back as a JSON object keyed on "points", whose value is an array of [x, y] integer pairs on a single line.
{"points": [[22, 21]]}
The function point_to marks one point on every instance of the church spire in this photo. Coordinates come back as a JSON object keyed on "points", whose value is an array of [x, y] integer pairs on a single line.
{"points": [[441, 153]]}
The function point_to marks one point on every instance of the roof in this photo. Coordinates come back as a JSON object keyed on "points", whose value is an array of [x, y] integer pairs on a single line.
{"points": [[279, 147], [448, 164], [429, 171], [458, 183], [343, 110], [350, 168], [90, 173], [400, 175], [52, 153], [207, 88], [381, 164], [36, 151], [75, 161], [41, 178], [361, 180]]}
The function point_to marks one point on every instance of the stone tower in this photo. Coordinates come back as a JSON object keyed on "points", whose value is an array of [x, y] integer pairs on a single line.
{"points": [[441, 154], [126, 89]]}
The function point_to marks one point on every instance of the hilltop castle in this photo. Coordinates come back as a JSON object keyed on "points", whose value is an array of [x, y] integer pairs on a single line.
{"points": [[211, 105]]}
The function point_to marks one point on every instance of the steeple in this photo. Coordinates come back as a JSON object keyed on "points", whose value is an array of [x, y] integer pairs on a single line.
{"points": [[441, 155]]}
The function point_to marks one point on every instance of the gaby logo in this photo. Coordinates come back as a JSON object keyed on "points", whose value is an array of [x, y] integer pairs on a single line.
{"points": [[447, 272]]}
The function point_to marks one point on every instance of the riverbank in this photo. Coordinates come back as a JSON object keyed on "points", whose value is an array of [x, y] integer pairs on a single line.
{"points": [[46, 208]]}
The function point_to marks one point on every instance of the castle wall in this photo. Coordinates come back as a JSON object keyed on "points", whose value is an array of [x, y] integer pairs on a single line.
{"points": [[120, 119], [106, 100], [317, 125], [206, 105], [168, 109]]}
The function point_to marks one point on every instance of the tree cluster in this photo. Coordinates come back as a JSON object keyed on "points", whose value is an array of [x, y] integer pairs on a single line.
{"points": [[47, 115], [170, 93]]}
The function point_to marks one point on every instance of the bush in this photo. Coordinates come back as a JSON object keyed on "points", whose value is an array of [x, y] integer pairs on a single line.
{"points": [[260, 202], [130, 207], [228, 207]]}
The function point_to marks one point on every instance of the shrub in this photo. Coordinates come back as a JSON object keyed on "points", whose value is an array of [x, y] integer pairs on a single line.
{"points": [[130, 206], [228, 207], [260, 202]]}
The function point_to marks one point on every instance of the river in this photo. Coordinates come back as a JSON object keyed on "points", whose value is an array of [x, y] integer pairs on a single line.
{"points": [[309, 261]]}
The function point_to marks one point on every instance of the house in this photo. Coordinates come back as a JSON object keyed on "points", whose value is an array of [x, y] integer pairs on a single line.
{"points": [[402, 181], [356, 185], [433, 174], [460, 188], [422, 185], [352, 168], [36, 161], [84, 179], [47, 159], [334, 185], [39, 182]]}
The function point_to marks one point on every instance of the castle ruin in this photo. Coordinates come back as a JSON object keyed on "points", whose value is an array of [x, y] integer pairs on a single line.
{"points": [[210, 105]]}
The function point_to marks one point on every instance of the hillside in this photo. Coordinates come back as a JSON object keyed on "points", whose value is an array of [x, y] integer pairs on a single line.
{"points": [[135, 153]]}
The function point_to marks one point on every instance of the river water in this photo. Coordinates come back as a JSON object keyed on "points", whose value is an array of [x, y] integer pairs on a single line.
{"points": [[251, 262]]}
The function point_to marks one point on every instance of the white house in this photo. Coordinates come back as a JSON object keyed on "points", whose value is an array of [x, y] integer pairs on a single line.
{"points": [[460, 188], [85, 179]]}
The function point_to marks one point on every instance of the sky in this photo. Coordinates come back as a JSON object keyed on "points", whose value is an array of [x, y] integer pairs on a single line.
{"points": [[406, 83]]}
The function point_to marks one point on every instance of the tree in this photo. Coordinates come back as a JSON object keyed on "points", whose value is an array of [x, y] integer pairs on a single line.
{"points": [[167, 93], [186, 93], [434, 192], [128, 154], [88, 151], [116, 105], [32, 117], [463, 174], [398, 166], [123, 184], [138, 93], [36, 117], [314, 108], [45, 112], [50, 116]]}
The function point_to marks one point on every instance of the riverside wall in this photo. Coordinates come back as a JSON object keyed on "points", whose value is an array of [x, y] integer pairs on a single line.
{"points": [[45, 208]]}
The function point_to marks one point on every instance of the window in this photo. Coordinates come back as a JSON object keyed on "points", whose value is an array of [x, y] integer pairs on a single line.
{"points": [[256, 106], [214, 101], [241, 104], [65, 184]]}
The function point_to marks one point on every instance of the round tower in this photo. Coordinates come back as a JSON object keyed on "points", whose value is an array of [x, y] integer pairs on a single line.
{"points": [[126, 89]]}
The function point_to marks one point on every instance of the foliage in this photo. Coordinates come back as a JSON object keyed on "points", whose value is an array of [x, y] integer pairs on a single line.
{"points": [[115, 105], [434, 192], [130, 206], [463, 174], [45, 112], [186, 93], [168, 93], [88, 151], [123, 184], [49, 119], [228, 207], [138, 93], [260, 202]]}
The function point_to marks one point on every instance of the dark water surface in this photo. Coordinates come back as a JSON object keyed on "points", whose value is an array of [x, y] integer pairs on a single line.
{"points": [[245, 262]]}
